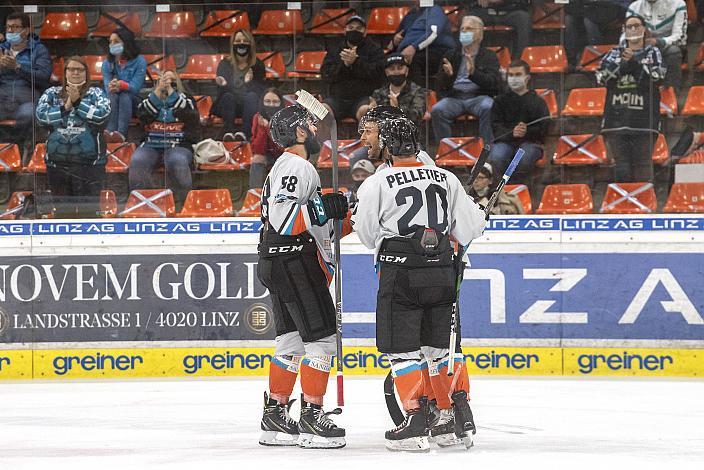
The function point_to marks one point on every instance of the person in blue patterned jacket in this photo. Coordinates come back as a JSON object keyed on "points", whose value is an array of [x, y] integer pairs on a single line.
{"points": [[76, 114]]}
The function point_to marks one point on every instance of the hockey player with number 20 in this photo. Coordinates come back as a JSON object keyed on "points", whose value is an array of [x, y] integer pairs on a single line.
{"points": [[295, 265], [407, 213]]}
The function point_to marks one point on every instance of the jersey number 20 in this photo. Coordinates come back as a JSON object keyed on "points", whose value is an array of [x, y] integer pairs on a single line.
{"points": [[432, 193]]}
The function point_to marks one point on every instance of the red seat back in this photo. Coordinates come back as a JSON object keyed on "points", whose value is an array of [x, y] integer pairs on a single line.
{"points": [[149, 203], [280, 23], [228, 21], [685, 197], [566, 199], [385, 20], [629, 198], [71, 25], [207, 203], [180, 24]]}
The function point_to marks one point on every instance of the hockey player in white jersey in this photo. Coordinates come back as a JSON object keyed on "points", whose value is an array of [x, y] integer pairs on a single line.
{"points": [[295, 265], [407, 213]]}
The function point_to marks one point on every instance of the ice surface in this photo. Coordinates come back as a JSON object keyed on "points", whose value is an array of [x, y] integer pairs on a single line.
{"points": [[214, 424]]}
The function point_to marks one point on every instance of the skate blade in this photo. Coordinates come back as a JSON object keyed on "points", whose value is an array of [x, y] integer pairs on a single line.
{"points": [[276, 438], [468, 441], [311, 441], [447, 440], [412, 444]]}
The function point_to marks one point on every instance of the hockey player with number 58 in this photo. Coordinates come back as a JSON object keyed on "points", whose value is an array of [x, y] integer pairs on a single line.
{"points": [[407, 213]]}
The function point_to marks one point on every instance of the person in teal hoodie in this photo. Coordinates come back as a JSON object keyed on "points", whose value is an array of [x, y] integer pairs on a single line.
{"points": [[124, 72]]}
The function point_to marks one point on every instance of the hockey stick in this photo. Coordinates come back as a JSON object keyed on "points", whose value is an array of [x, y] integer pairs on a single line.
{"points": [[316, 108]]}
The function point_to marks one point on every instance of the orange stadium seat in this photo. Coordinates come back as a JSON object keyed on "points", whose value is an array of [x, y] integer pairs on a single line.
{"points": [[566, 199], [699, 61], [201, 67], [685, 197], [503, 54], [691, 11], [119, 157], [57, 73], [385, 20], [330, 21], [239, 159], [548, 16], [550, 99], [106, 26], [545, 59], [695, 101], [181, 24], [108, 204], [15, 206], [454, 15], [585, 102], [629, 198], [95, 64], [149, 203], [668, 101], [582, 149], [521, 190], [10, 158], [158, 64], [207, 203], [252, 205], [204, 104], [344, 152], [308, 65], [430, 99], [695, 157], [222, 23], [592, 56], [37, 164], [458, 151], [661, 154], [274, 64], [280, 23], [71, 25]]}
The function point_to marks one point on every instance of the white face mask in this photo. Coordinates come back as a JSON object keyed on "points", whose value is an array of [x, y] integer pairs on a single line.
{"points": [[635, 38], [517, 82], [76, 84]]}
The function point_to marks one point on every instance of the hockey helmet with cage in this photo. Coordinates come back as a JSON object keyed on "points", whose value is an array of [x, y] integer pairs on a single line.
{"points": [[378, 114], [284, 123], [399, 136]]}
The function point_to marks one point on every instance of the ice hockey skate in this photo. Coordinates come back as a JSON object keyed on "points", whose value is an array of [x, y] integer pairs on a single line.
{"points": [[411, 435], [443, 432], [278, 428], [464, 421], [317, 430]]}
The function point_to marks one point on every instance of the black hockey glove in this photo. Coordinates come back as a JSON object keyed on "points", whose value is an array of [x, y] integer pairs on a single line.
{"points": [[328, 206]]}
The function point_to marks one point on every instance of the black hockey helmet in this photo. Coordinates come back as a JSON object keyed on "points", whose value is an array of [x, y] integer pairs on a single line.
{"points": [[284, 123], [378, 114], [399, 136]]}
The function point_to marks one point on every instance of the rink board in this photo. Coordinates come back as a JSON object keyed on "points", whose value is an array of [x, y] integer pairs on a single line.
{"points": [[545, 296]]}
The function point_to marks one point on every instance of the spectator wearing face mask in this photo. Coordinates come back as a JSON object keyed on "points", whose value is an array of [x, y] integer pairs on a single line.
{"points": [[586, 23], [25, 69], [400, 92], [241, 82], [360, 171], [264, 149], [75, 158], [124, 72], [467, 81], [511, 114], [352, 70], [666, 21], [483, 187]]}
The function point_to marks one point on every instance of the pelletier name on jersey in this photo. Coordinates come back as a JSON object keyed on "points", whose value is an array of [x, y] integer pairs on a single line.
{"points": [[415, 174]]}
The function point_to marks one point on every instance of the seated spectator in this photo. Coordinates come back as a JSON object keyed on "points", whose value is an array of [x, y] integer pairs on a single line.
{"points": [[399, 91], [586, 23], [423, 29], [171, 124], [75, 113], [511, 115], [360, 171], [666, 20], [688, 142], [25, 70], [123, 76], [467, 81], [632, 75], [353, 70], [482, 189], [241, 82], [514, 13], [264, 150]]}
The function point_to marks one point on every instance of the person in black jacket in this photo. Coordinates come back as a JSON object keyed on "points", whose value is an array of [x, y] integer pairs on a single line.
{"points": [[511, 113], [353, 70], [240, 80], [467, 81], [512, 13]]}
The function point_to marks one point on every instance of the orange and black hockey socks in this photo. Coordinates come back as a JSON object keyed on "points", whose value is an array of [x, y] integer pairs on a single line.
{"points": [[315, 371], [282, 377], [443, 385], [408, 379]]}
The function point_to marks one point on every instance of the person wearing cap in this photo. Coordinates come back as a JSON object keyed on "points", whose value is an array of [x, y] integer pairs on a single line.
{"points": [[482, 188], [360, 171], [352, 70], [399, 91]]}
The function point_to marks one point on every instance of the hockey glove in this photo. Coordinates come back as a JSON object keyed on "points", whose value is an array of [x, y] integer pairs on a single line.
{"points": [[326, 207]]}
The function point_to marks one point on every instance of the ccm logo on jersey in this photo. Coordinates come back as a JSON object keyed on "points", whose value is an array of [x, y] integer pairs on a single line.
{"points": [[393, 258], [285, 249]]}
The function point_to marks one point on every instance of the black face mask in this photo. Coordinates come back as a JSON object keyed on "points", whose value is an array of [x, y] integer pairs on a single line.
{"points": [[268, 111], [354, 37], [242, 49], [396, 80]]}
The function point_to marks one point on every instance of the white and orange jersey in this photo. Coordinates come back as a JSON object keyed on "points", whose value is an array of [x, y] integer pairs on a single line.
{"points": [[292, 182], [400, 199]]}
